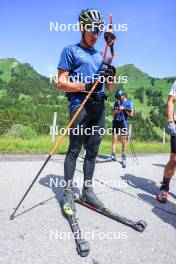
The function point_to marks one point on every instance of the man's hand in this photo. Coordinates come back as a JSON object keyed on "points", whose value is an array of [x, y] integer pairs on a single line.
{"points": [[88, 87], [171, 129], [121, 107], [107, 70]]}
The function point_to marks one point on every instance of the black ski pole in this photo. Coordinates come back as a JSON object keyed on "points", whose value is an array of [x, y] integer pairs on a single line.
{"points": [[133, 152], [34, 180]]}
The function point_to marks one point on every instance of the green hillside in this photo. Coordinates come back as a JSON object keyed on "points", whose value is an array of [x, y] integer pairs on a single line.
{"points": [[5, 68], [28, 97]]}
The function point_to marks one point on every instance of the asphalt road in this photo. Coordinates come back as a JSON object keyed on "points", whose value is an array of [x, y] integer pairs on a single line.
{"points": [[40, 233]]}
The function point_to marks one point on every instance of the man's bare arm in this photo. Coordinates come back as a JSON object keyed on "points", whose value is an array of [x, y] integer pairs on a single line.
{"points": [[110, 85], [130, 113], [64, 85], [170, 108]]}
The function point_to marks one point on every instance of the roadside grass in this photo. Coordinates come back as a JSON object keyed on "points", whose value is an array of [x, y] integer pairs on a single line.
{"points": [[43, 145]]}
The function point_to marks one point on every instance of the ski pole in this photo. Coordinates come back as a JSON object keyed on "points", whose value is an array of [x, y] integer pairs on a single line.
{"points": [[60, 139], [133, 152]]}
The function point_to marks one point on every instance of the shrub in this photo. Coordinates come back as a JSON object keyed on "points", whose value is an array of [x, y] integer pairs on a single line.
{"points": [[20, 131]]}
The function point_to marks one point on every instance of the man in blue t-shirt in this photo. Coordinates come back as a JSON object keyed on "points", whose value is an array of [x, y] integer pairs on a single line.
{"points": [[79, 67], [123, 108]]}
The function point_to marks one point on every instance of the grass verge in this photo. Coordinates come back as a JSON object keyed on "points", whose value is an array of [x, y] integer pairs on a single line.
{"points": [[43, 145]]}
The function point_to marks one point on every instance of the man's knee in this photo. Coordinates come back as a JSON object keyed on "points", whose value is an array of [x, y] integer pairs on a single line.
{"points": [[123, 139], [172, 161], [73, 154], [114, 139], [173, 157], [91, 156], [91, 153]]}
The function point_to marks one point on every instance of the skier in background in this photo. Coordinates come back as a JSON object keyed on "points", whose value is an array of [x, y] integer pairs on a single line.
{"points": [[122, 109]]}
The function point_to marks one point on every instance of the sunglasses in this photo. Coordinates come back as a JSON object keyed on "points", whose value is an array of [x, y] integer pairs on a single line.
{"points": [[92, 29]]}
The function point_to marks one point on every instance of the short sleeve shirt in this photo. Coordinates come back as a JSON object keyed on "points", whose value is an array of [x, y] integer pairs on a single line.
{"points": [[82, 64], [122, 115]]}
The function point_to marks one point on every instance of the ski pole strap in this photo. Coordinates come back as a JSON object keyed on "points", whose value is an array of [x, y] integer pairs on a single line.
{"points": [[110, 40]]}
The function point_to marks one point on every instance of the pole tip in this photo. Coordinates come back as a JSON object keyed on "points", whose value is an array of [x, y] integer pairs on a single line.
{"points": [[12, 217]]}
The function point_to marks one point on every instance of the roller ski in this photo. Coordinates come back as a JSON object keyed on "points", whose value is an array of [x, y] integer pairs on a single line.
{"points": [[163, 193], [83, 247], [92, 202], [113, 156]]}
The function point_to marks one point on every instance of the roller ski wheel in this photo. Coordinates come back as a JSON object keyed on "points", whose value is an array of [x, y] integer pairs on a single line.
{"points": [[162, 196], [140, 226], [83, 248]]}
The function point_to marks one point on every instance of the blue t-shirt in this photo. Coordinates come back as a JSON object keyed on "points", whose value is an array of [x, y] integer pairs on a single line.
{"points": [[81, 62], [122, 115]]}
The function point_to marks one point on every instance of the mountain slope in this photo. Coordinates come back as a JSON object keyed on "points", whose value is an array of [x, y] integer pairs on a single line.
{"points": [[5, 68], [28, 96]]}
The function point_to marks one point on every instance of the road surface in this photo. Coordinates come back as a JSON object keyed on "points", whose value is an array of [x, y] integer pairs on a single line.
{"points": [[40, 233]]}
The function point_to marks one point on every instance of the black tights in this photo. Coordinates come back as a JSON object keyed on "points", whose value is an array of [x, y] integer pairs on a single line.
{"points": [[91, 115]]}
